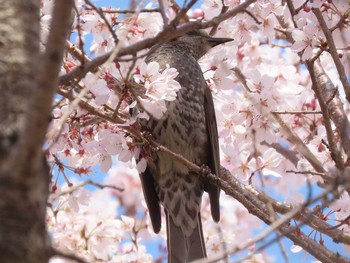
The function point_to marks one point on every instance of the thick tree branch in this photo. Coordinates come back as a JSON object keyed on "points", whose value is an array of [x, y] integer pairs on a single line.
{"points": [[41, 101], [255, 202], [335, 153], [167, 34], [243, 194], [335, 106]]}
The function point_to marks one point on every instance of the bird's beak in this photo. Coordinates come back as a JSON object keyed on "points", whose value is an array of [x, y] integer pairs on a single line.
{"points": [[214, 41]]}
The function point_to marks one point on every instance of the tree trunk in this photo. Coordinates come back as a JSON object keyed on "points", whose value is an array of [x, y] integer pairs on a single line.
{"points": [[24, 175]]}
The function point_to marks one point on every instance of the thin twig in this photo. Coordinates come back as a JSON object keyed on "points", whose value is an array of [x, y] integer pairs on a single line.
{"points": [[240, 76], [240, 192], [223, 11], [333, 51], [112, 11], [288, 154], [182, 14], [253, 16], [234, 188], [307, 173], [91, 109], [342, 19], [281, 224], [162, 12], [56, 130], [166, 34], [298, 112], [76, 52], [81, 42], [283, 250], [301, 147], [81, 184], [101, 14]]}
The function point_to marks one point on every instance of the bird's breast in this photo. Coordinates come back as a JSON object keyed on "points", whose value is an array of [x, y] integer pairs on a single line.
{"points": [[182, 129]]}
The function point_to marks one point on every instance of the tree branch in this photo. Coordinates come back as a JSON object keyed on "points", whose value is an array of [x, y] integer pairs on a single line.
{"points": [[255, 202], [333, 52], [81, 184], [335, 106], [248, 199], [101, 14], [41, 101], [336, 156], [117, 11], [167, 34], [301, 147]]}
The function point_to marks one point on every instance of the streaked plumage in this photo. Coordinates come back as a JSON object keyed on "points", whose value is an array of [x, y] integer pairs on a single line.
{"points": [[187, 128]]}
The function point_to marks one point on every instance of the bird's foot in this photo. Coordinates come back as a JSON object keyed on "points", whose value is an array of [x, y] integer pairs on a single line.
{"points": [[204, 170]]}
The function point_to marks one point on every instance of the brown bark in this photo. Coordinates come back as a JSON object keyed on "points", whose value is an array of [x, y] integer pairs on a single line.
{"points": [[23, 176], [27, 85]]}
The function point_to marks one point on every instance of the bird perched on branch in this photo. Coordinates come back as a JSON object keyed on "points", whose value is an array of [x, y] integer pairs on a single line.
{"points": [[188, 128]]}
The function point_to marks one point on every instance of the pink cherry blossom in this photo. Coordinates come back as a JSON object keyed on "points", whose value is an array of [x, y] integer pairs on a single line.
{"points": [[255, 79]]}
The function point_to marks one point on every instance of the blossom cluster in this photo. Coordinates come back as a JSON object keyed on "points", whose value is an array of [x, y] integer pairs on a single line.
{"points": [[267, 107], [85, 223], [160, 87]]}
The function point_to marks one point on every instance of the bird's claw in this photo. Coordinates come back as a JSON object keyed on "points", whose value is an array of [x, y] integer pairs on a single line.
{"points": [[204, 170]]}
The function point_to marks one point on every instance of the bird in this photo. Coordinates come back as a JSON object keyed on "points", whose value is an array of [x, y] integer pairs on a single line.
{"points": [[188, 128]]}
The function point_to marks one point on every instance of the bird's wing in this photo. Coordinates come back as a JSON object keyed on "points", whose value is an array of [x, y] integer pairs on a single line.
{"points": [[152, 200], [214, 158]]}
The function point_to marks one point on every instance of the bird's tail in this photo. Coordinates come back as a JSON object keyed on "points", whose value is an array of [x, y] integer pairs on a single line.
{"points": [[181, 248]]}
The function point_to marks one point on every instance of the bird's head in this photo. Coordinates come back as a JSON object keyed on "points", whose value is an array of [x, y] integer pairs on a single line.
{"points": [[199, 42]]}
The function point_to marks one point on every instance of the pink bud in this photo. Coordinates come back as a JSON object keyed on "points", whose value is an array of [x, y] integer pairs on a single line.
{"points": [[198, 13]]}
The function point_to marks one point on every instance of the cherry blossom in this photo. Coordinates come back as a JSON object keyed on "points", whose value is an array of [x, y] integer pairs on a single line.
{"points": [[270, 122], [160, 87], [304, 41]]}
